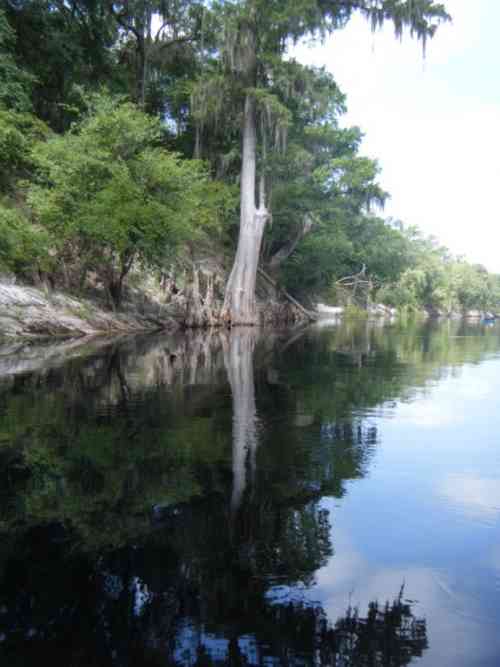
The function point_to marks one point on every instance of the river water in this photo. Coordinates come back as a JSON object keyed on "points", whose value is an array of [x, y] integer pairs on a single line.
{"points": [[319, 497]]}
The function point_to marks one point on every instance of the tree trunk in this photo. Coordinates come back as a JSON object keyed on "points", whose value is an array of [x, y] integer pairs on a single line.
{"points": [[197, 142], [115, 292], [141, 71], [239, 300], [115, 281]]}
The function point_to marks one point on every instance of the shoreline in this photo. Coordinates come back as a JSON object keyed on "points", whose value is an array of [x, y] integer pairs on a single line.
{"points": [[32, 313]]}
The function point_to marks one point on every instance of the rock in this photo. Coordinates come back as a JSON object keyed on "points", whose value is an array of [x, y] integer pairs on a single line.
{"points": [[8, 278], [27, 311], [473, 315]]}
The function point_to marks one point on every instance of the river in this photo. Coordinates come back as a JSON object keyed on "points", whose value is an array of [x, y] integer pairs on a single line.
{"points": [[328, 496]]}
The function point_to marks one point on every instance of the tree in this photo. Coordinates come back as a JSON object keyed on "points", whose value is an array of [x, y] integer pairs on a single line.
{"points": [[157, 28], [321, 192], [66, 47], [111, 196], [16, 83], [317, 179], [256, 35], [436, 281]]}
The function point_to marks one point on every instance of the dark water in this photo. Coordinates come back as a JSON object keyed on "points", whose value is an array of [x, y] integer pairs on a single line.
{"points": [[321, 498]]}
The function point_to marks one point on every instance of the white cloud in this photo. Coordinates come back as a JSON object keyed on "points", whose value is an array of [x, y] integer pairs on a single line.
{"points": [[434, 125]]}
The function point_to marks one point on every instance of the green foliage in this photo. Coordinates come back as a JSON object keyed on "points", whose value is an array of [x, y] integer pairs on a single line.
{"points": [[292, 19], [254, 38], [64, 46], [19, 131], [438, 282], [110, 195], [15, 82], [23, 247], [320, 178]]}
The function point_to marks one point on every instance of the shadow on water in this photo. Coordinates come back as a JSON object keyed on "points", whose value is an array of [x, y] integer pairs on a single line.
{"points": [[156, 493]]}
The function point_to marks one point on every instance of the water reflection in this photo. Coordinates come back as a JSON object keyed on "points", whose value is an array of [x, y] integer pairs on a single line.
{"points": [[146, 607], [163, 498], [238, 359]]}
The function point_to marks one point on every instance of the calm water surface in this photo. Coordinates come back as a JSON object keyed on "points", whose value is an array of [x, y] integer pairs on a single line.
{"points": [[327, 497]]}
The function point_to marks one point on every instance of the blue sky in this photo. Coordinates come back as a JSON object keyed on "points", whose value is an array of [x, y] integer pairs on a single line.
{"points": [[433, 124]]}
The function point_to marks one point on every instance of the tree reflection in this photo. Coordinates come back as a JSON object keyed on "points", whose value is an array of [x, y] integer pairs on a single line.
{"points": [[238, 359], [152, 606], [151, 515], [387, 636]]}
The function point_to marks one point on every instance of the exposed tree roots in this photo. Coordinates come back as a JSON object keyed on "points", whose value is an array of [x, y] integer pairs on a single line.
{"points": [[204, 308]]}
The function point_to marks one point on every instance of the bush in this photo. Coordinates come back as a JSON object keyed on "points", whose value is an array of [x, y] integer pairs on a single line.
{"points": [[110, 196], [24, 248], [18, 134]]}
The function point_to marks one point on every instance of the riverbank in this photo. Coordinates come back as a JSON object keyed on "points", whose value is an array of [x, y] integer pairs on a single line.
{"points": [[381, 311], [28, 311], [33, 312]]}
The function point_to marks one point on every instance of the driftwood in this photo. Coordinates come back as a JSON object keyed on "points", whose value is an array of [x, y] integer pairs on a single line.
{"points": [[355, 289], [307, 313]]}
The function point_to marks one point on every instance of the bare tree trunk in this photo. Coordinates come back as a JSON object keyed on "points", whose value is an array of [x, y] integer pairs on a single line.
{"points": [[197, 143], [239, 300]]}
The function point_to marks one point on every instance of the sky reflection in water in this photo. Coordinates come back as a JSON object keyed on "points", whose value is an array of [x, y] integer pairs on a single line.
{"points": [[428, 514]]}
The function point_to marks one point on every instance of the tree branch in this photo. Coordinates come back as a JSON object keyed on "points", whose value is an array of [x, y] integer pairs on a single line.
{"points": [[289, 248], [120, 18], [177, 40]]}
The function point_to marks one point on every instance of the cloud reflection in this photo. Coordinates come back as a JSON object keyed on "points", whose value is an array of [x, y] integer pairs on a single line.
{"points": [[473, 496], [456, 632]]}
